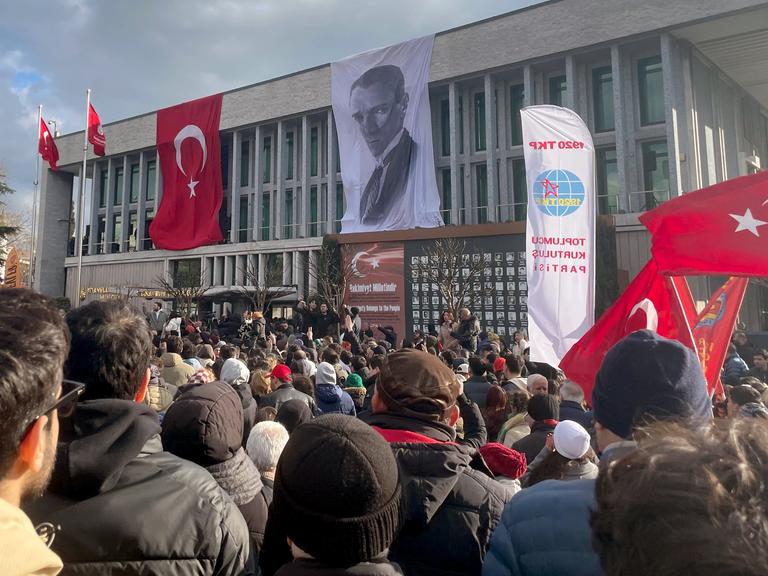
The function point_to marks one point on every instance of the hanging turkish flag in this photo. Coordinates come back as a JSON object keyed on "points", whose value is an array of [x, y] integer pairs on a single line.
{"points": [[649, 302], [714, 326], [188, 146], [95, 134], [718, 230], [46, 146]]}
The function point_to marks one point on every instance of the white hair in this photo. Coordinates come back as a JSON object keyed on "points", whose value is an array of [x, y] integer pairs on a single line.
{"points": [[265, 444], [572, 392], [533, 378]]}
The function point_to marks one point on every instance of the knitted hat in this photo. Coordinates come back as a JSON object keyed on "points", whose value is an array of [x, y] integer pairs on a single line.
{"points": [[503, 461], [543, 408], [354, 381], [499, 364], [571, 440], [644, 377], [326, 374], [337, 492], [281, 372], [292, 413]]}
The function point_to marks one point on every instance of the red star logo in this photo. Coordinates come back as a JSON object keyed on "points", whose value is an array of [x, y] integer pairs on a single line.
{"points": [[550, 188]]}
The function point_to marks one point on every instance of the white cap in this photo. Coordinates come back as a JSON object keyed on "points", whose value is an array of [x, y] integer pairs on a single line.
{"points": [[571, 440], [462, 369]]}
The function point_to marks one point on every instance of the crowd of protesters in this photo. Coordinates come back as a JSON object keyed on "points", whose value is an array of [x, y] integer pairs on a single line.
{"points": [[133, 444]]}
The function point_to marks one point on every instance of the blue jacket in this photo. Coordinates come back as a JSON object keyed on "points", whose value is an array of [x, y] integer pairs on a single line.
{"points": [[734, 369], [332, 399], [545, 531]]}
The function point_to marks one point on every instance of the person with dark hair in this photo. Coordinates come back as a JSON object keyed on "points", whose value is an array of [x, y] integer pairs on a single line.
{"points": [[292, 414], [283, 390], [357, 322], [266, 414], [516, 426], [157, 318], [326, 321], [759, 366], [543, 415], [447, 327], [744, 348], [34, 343], [644, 377], [304, 384], [477, 387], [734, 367], [467, 331], [744, 401], [496, 410], [669, 507], [565, 456], [113, 486], [513, 368], [175, 371]]}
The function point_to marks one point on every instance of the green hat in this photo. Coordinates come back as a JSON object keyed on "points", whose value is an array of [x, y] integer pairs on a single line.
{"points": [[354, 381]]}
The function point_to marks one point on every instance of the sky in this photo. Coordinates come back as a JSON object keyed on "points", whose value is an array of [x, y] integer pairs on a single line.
{"points": [[142, 55]]}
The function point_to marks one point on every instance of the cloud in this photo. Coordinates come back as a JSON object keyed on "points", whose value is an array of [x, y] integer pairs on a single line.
{"points": [[143, 55]]}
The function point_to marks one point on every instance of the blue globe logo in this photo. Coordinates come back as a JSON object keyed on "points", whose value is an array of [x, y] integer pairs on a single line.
{"points": [[558, 192]]}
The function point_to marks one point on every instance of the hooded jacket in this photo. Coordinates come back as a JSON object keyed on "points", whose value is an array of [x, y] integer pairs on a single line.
{"points": [[175, 370], [331, 399], [235, 373], [121, 504]]}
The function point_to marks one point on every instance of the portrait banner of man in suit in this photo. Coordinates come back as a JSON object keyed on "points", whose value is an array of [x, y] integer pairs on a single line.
{"points": [[383, 122]]}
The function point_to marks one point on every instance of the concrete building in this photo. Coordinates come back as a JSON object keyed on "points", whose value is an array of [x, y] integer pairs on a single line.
{"points": [[675, 93]]}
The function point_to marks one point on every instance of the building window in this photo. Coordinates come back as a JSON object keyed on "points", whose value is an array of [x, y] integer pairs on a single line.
{"points": [[186, 273], [607, 181], [103, 176], [243, 232], [245, 163], [479, 121], [224, 166], [602, 93], [288, 215], [148, 217], [151, 176], [516, 103], [313, 211], [289, 156], [481, 187], [557, 89], [265, 216], [314, 151], [101, 235], [133, 226], [519, 190], [117, 232], [267, 168], [134, 184], [445, 126], [445, 207], [655, 175], [339, 205], [118, 189], [651, 85]]}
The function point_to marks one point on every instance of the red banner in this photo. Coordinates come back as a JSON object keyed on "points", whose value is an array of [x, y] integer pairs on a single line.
{"points": [[377, 284], [46, 146], [189, 150], [714, 326], [95, 134]]}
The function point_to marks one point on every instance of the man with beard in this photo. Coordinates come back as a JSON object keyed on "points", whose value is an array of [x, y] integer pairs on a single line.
{"points": [[34, 342]]}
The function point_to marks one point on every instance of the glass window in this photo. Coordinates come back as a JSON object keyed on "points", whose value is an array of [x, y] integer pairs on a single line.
{"points": [[245, 163], [265, 216], [602, 93], [607, 181], [118, 189], [151, 176], [557, 89], [267, 154], [117, 232], [224, 166], [148, 217], [313, 211], [655, 174], [288, 215], [516, 103], [186, 273], [134, 184], [289, 156], [133, 225], [103, 175], [101, 235], [481, 186], [313, 151], [651, 85], [243, 232], [445, 206], [480, 121], [445, 126], [339, 205], [519, 190]]}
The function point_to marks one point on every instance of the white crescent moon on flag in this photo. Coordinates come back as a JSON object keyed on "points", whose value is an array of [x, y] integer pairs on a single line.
{"points": [[651, 315], [189, 131], [353, 264]]}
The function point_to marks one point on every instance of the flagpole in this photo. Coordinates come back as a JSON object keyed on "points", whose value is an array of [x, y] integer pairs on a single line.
{"points": [[79, 231], [36, 183]]}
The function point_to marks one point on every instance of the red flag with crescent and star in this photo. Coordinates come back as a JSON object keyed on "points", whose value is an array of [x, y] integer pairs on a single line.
{"points": [[95, 134], [720, 230], [651, 301], [190, 162], [46, 146]]}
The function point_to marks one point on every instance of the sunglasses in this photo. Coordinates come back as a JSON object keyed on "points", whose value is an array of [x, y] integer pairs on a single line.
{"points": [[64, 404]]}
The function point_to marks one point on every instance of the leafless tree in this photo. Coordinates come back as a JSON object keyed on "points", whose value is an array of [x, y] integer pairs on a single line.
{"points": [[186, 288], [332, 272], [457, 270], [260, 291]]}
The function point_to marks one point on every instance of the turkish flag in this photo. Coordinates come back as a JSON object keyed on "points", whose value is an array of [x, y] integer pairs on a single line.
{"points": [[649, 302], [714, 326], [720, 230], [189, 150], [95, 134], [46, 146]]}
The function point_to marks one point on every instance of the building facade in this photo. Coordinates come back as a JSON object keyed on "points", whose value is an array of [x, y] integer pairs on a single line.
{"points": [[675, 94]]}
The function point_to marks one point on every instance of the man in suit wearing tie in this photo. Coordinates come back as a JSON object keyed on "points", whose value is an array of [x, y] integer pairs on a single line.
{"points": [[378, 101], [157, 318]]}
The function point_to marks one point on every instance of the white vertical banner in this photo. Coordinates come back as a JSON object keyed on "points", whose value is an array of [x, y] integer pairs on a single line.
{"points": [[560, 232]]}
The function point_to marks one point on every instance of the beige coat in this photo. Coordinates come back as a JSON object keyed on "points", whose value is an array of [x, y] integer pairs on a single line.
{"points": [[22, 552], [175, 371]]}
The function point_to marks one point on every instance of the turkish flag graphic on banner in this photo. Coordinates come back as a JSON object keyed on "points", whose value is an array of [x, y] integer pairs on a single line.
{"points": [[720, 230], [649, 302], [188, 146], [95, 134], [714, 326], [46, 146]]}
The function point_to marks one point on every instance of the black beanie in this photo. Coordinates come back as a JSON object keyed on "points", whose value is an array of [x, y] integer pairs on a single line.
{"points": [[337, 491], [543, 408], [645, 377]]}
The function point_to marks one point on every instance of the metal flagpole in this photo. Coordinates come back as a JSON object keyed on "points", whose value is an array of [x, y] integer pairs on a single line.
{"points": [[79, 230], [36, 183]]}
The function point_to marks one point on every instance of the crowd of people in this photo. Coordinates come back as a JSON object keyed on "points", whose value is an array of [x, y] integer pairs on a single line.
{"points": [[131, 444]]}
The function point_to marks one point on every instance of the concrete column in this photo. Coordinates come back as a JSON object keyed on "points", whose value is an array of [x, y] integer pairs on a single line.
{"points": [[469, 213], [312, 288], [570, 82], [53, 233], [503, 212], [258, 183], [301, 200], [142, 209], [228, 269], [287, 268], [217, 265], [124, 208], [94, 216], [620, 125], [262, 268], [110, 205], [278, 197], [330, 208], [453, 127], [674, 115], [234, 189], [528, 85], [298, 271], [158, 183], [490, 146], [241, 263]]}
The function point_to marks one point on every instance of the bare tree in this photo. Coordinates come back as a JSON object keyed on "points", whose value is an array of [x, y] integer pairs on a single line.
{"points": [[332, 273], [8, 227], [185, 287], [259, 292], [458, 273]]}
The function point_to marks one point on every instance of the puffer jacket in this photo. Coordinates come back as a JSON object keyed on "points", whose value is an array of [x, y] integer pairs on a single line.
{"points": [[545, 532], [175, 371], [332, 399], [122, 505], [734, 369], [288, 392]]}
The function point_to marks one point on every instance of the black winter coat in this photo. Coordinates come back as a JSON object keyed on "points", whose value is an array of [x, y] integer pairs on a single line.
{"points": [[467, 332], [532, 444], [122, 505], [288, 392]]}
